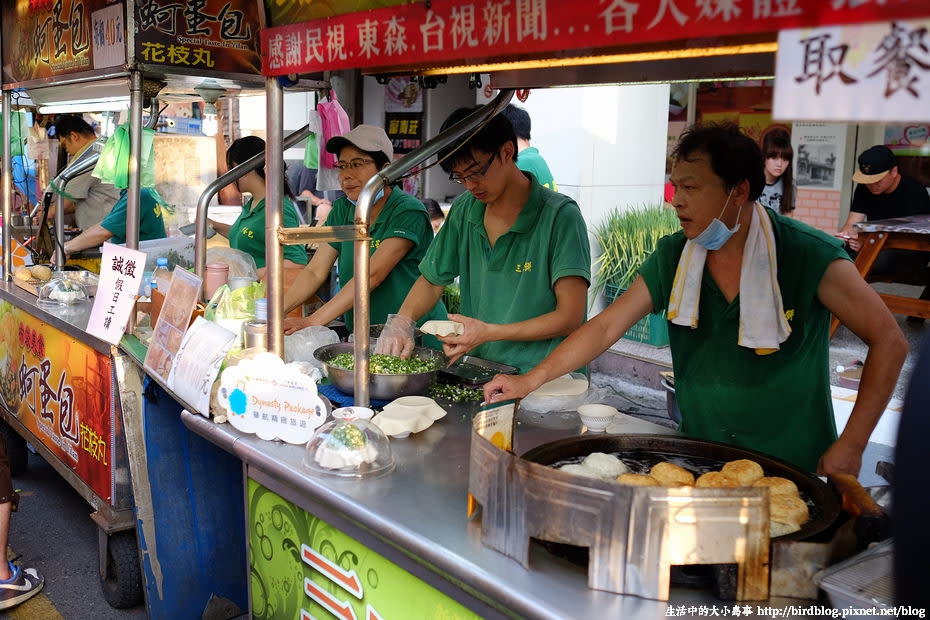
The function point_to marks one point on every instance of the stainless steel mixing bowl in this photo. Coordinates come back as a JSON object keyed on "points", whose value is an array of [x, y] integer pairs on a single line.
{"points": [[381, 387]]}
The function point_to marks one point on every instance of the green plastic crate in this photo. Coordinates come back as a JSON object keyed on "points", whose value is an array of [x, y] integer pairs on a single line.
{"points": [[652, 329]]}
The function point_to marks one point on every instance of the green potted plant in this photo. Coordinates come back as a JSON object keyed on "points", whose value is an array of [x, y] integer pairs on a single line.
{"points": [[626, 237]]}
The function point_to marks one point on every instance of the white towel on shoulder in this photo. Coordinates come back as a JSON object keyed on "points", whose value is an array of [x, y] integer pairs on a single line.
{"points": [[762, 322]]}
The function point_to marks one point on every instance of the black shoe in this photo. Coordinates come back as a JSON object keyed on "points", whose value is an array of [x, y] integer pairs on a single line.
{"points": [[24, 584]]}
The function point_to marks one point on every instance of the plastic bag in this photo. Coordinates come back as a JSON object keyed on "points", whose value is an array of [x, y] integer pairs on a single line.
{"points": [[241, 264], [113, 165], [239, 304], [300, 346], [335, 122], [312, 152]]}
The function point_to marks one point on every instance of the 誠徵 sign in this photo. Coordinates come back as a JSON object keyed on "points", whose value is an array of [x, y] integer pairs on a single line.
{"points": [[867, 72], [445, 32]]}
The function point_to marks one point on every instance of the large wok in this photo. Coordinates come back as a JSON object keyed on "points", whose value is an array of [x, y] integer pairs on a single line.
{"points": [[641, 452]]}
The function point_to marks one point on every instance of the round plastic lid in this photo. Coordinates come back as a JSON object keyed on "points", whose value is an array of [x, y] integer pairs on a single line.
{"points": [[61, 292], [350, 448]]}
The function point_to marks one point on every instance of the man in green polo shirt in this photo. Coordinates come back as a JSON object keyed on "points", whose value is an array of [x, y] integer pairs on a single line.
{"points": [[528, 157], [113, 226], [520, 252], [749, 293]]}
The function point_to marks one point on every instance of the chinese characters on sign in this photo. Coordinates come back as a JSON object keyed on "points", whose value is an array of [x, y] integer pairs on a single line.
{"points": [[448, 31], [220, 35], [870, 72], [59, 389], [109, 36], [120, 277], [50, 38]]}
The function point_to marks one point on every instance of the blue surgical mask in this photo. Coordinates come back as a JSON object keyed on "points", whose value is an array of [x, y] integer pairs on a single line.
{"points": [[717, 233], [378, 197]]}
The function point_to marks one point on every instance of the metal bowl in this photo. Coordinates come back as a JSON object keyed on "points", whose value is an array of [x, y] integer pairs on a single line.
{"points": [[381, 387]]}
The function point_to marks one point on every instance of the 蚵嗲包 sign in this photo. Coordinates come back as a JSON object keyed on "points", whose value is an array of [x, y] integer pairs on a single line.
{"points": [[60, 389], [868, 72], [446, 31]]}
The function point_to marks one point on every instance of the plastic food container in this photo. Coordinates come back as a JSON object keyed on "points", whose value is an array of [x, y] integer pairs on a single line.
{"points": [[864, 581], [61, 292], [349, 448]]}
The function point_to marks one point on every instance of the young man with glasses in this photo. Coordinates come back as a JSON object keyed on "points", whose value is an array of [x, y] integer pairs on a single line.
{"points": [[400, 233], [520, 252]]}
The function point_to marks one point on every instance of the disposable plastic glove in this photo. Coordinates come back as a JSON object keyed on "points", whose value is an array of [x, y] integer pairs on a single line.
{"points": [[396, 337]]}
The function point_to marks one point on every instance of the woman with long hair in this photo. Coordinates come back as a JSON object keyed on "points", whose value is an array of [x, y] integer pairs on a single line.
{"points": [[779, 191]]}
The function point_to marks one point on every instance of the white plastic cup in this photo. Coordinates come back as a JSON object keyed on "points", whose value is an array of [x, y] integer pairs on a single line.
{"points": [[239, 281]]}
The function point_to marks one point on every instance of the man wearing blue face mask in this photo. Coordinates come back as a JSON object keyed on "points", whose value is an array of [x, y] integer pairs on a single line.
{"points": [[400, 233], [749, 295]]}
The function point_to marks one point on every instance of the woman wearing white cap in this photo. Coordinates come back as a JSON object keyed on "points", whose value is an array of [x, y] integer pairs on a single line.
{"points": [[400, 234]]}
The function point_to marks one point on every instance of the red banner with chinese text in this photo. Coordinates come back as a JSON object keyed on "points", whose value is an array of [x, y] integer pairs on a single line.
{"points": [[60, 389], [454, 32], [207, 36]]}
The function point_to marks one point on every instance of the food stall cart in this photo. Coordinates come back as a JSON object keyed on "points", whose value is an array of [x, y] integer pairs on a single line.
{"points": [[349, 540], [159, 495]]}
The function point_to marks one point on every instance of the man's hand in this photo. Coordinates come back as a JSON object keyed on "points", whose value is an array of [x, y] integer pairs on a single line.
{"points": [[841, 458], [506, 387], [293, 324], [396, 337], [475, 333]]}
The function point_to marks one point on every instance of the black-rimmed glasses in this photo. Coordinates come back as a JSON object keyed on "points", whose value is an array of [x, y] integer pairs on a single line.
{"points": [[474, 177]]}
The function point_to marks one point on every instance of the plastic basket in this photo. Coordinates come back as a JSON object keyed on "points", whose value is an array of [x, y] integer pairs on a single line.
{"points": [[652, 329]]}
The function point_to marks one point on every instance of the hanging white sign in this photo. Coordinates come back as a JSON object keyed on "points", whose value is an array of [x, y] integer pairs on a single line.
{"points": [[120, 275], [869, 72]]}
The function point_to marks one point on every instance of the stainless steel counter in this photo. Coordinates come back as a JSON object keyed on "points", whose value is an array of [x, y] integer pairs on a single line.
{"points": [[415, 517]]}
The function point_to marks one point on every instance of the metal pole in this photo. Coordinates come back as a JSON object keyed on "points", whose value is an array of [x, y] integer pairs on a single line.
{"points": [[7, 185], [692, 104], [274, 210], [133, 198]]}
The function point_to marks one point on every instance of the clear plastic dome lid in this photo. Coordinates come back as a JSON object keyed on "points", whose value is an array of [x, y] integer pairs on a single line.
{"points": [[61, 292], [351, 448]]}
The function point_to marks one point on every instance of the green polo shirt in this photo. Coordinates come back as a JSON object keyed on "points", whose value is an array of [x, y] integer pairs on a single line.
{"points": [[151, 223], [779, 403], [513, 281], [402, 216], [530, 160], [248, 233]]}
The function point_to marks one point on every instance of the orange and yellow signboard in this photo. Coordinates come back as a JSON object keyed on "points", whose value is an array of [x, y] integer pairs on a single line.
{"points": [[60, 389], [42, 38]]}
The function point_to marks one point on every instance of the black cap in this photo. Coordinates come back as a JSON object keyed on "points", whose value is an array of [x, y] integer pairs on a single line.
{"points": [[874, 164]]}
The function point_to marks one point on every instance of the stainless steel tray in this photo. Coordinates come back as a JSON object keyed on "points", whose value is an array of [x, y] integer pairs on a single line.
{"points": [[475, 371]]}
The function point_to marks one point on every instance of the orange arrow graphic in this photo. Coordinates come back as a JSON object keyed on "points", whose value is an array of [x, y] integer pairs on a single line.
{"points": [[348, 581]]}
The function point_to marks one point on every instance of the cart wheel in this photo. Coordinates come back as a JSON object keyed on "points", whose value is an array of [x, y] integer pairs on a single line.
{"points": [[122, 584], [15, 449]]}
